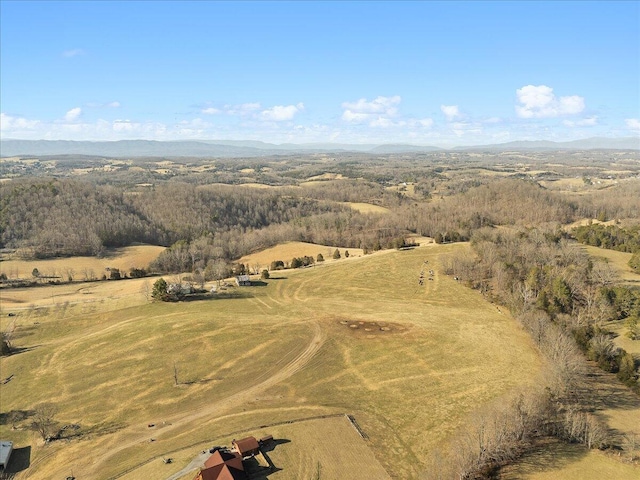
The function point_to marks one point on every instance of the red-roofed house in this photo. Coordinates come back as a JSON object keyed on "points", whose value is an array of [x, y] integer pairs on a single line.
{"points": [[246, 446], [230, 458], [223, 466]]}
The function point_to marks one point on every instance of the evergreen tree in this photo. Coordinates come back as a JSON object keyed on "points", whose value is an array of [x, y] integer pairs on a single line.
{"points": [[159, 291]]}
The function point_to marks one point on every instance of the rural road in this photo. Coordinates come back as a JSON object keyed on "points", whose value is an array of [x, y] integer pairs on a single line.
{"points": [[193, 464], [218, 408]]}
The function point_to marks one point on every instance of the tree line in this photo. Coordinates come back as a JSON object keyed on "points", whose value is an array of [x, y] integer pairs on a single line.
{"points": [[563, 299]]}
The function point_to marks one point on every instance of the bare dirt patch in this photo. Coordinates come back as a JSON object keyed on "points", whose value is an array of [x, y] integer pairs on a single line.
{"points": [[370, 329]]}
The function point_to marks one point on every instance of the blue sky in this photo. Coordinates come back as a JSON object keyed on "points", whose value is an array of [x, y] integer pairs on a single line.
{"points": [[428, 73]]}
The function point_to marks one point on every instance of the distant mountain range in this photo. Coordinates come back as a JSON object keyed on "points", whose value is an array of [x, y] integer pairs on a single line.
{"points": [[231, 148]]}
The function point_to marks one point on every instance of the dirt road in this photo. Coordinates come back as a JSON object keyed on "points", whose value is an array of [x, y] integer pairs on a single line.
{"points": [[215, 409]]}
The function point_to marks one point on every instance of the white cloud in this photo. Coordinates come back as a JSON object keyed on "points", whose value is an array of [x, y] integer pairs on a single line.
{"points": [[73, 114], [450, 111], [280, 113], [384, 122], [633, 124], [381, 112], [113, 105], [73, 52], [11, 124], [540, 102], [375, 111], [211, 111], [585, 122], [381, 105], [353, 117]]}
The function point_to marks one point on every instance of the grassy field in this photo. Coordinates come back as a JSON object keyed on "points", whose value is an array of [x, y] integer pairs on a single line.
{"points": [[330, 446], [357, 336], [367, 207], [569, 462], [618, 260], [79, 267], [287, 251]]}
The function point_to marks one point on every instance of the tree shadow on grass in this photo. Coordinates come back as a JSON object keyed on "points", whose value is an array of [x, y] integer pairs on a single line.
{"points": [[19, 350], [261, 466], [15, 416], [548, 456], [216, 296]]}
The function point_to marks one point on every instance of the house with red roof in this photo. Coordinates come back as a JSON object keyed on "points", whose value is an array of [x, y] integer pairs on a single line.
{"points": [[223, 466]]}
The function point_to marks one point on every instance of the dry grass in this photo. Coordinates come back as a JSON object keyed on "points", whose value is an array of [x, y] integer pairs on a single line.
{"points": [[618, 260], [279, 353], [87, 297], [122, 258], [330, 446], [287, 251], [569, 462], [318, 179], [367, 207]]}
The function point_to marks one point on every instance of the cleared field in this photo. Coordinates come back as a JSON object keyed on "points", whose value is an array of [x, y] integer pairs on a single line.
{"points": [[622, 341], [410, 362], [79, 267], [287, 251], [322, 178], [576, 184], [367, 207], [329, 446], [618, 260], [569, 462]]}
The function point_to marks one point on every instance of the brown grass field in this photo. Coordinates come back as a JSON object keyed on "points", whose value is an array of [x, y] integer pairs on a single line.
{"points": [[357, 336], [287, 251], [122, 258], [330, 446], [367, 207], [569, 462], [618, 260]]}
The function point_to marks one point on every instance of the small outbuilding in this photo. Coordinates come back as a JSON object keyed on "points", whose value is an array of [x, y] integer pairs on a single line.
{"points": [[247, 446], [6, 447], [243, 281]]}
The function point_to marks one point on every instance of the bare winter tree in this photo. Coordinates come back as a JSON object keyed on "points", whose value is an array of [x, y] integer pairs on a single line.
{"points": [[43, 420]]}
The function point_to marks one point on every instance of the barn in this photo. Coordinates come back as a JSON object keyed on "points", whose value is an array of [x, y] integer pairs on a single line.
{"points": [[243, 281], [247, 446]]}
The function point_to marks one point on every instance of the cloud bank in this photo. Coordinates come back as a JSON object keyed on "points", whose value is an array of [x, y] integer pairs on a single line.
{"points": [[540, 102]]}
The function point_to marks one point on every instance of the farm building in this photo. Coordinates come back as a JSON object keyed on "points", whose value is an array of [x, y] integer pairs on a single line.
{"points": [[179, 289], [223, 466], [246, 446], [243, 281], [6, 448]]}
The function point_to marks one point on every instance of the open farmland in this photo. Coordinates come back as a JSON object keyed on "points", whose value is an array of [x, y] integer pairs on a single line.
{"points": [[83, 268], [618, 260], [569, 462], [361, 337], [367, 207], [289, 250], [330, 446]]}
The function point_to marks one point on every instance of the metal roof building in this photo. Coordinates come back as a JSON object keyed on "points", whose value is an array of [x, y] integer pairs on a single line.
{"points": [[6, 447]]}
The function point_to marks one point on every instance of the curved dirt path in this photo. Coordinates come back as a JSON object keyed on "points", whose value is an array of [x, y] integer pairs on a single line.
{"points": [[221, 406]]}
